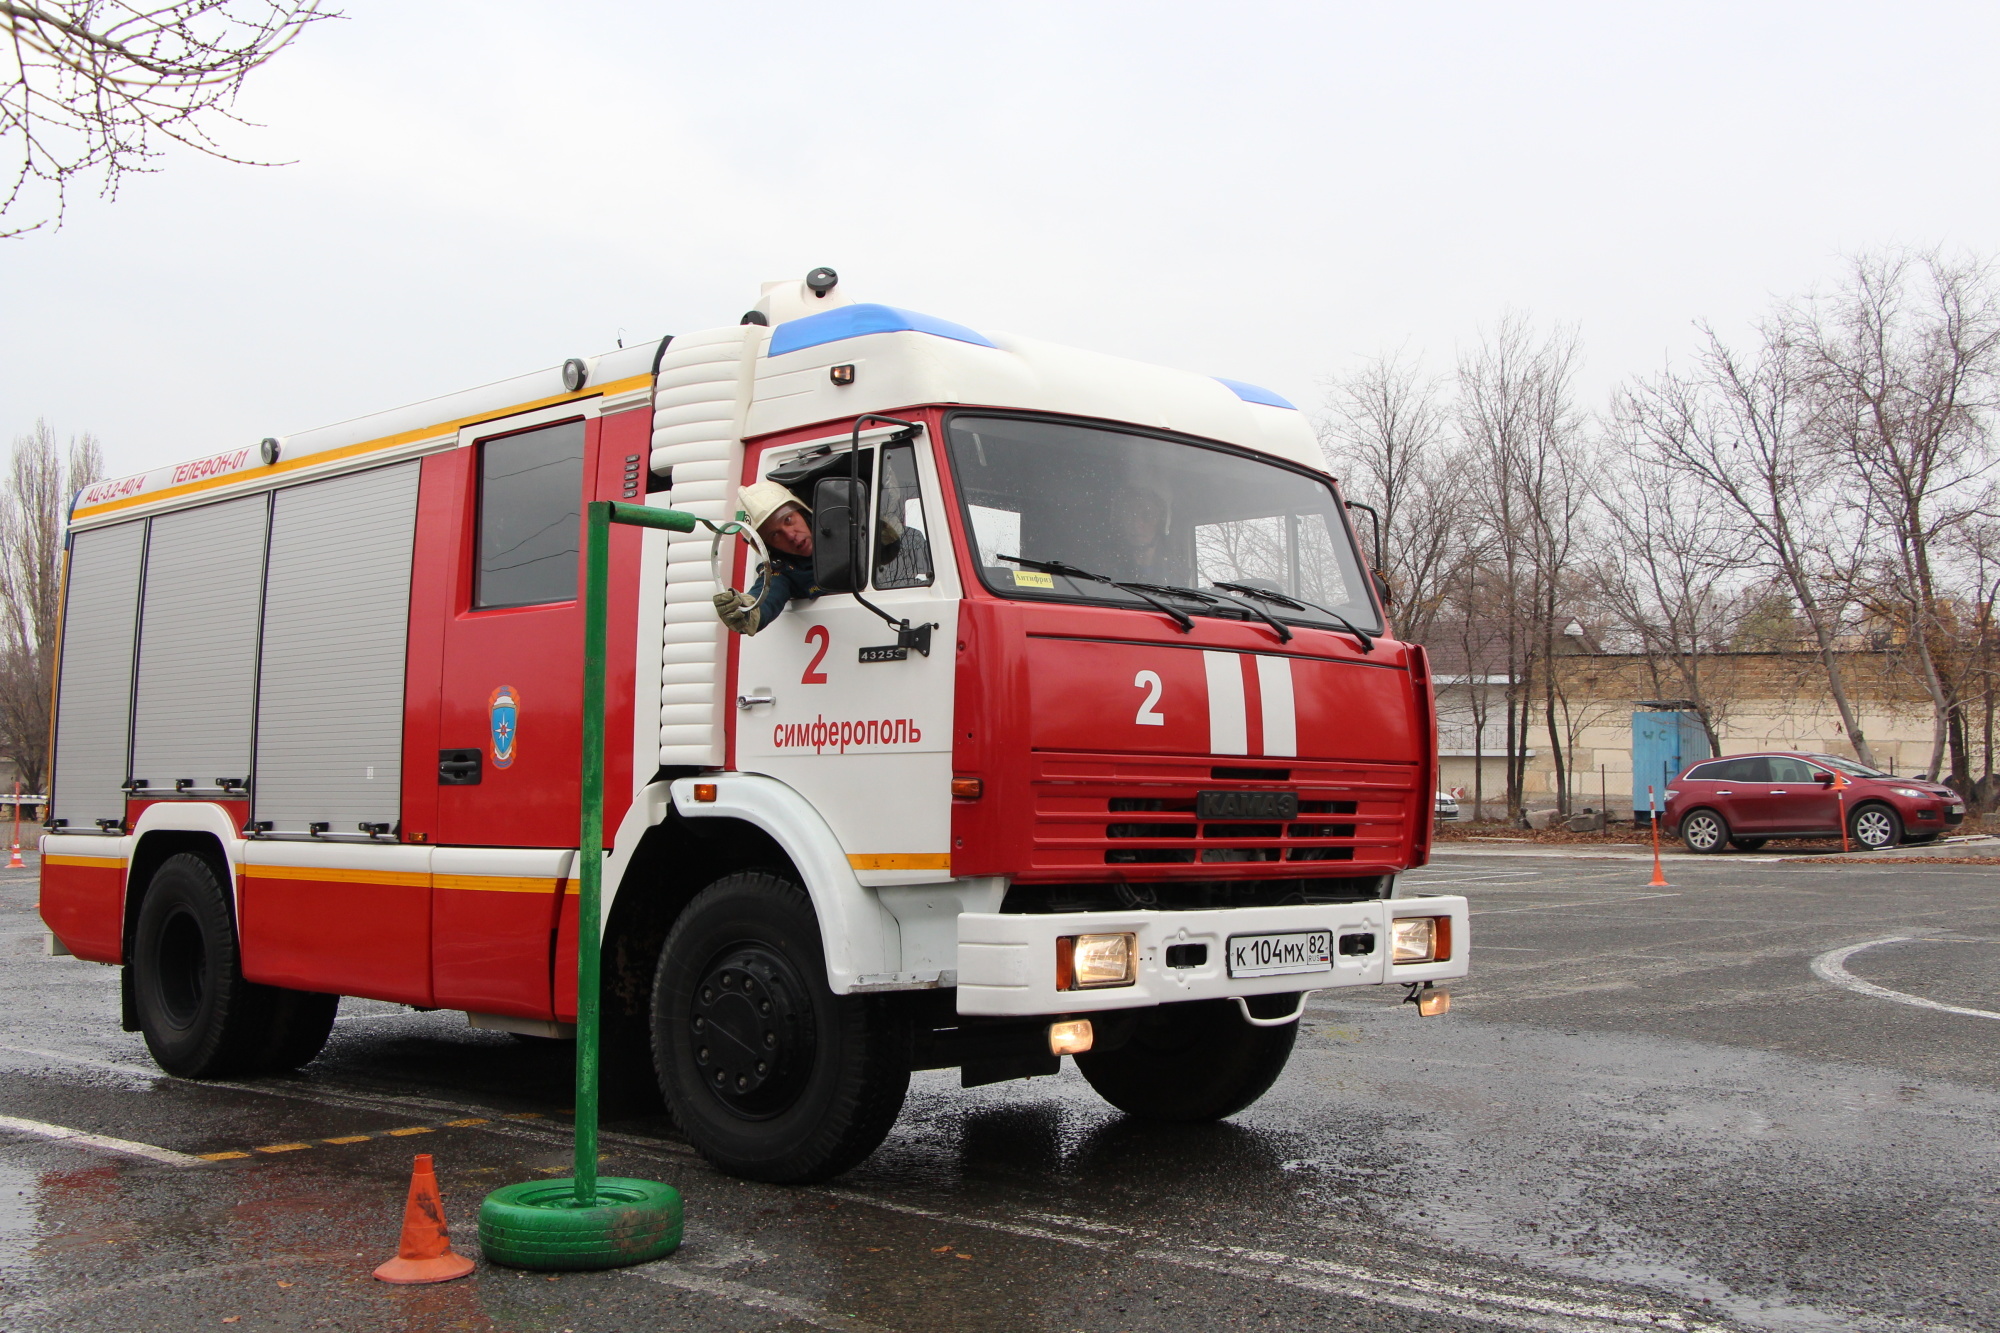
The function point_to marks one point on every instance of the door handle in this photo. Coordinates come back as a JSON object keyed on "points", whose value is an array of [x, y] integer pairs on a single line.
{"points": [[1725, 793], [760, 694], [460, 768], [1777, 792]]}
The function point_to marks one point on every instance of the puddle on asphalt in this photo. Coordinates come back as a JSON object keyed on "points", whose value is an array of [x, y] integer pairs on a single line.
{"points": [[20, 1205]]}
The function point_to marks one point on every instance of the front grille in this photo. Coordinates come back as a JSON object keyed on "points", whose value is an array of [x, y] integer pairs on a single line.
{"points": [[1078, 799]]}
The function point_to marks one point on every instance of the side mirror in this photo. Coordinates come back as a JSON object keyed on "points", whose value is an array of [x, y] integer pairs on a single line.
{"points": [[835, 501], [1826, 779]]}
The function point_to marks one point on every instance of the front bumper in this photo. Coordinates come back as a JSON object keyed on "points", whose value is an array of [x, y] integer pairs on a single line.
{"points": [[1007, 960]]}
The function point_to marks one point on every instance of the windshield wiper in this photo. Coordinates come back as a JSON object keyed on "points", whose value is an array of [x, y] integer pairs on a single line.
{"points": [[1266, 595], [1179, 617], [1174, 589]]}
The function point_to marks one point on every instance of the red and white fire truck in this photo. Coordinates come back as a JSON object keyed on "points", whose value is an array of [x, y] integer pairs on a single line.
{"points": [[1106, 750]]}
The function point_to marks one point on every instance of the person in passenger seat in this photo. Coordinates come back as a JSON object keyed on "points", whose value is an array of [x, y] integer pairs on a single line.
{"points": [[784, 522]]}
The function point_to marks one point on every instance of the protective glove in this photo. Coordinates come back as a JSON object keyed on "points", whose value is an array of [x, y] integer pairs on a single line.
{"points": [[737, 610]]}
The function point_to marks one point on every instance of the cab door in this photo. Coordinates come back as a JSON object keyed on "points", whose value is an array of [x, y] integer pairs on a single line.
{"points": [[1793, 800], [827, 704]]}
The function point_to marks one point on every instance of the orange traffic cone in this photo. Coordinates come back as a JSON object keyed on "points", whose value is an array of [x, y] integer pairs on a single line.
{"points": [[425, 1254], [15, 862], [1659, 880]]}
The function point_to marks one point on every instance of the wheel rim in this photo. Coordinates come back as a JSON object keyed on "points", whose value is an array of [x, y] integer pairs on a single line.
{"points": [[1872, 828], [751, 1031], [183, 968], [1703, 832]]}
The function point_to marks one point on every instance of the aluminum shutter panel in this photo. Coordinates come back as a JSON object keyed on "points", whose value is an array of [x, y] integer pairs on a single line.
{"points": [[198, 643], [336, 632], [94, 701]]}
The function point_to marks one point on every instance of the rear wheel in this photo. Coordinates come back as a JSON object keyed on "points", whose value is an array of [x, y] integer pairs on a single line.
{"points": [[1705, 831], [200, 1017], [769, 1074], [1191, 1062], [1875, 827], [1747, 844]]}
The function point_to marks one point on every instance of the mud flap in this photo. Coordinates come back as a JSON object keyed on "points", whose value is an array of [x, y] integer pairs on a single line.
{"points": [[128, 1003]]}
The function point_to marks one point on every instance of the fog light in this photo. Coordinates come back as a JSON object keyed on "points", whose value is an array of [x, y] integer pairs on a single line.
{"points": [[1421, 939], [1433, 1003], [1070, 1038], [1086, 962]]}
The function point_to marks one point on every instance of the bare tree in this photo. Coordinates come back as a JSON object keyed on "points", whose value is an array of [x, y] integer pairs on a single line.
{"points": [[1387, 435], [1904, 364], [1519, 418], [1740, 426], [96, 84], [33, 509]]}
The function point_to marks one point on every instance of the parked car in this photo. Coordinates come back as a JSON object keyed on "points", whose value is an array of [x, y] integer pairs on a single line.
{"points": [[1447, 805], [1745, 800]]}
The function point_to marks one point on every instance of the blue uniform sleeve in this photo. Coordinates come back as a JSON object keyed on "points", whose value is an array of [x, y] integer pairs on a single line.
{"points": [[774, 590]]}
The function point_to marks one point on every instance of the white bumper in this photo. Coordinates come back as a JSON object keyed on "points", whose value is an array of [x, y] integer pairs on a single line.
{"points": [[1007, 960]]}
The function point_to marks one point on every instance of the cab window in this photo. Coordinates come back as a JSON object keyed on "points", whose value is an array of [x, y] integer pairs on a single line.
{"points": [[902, 543]]}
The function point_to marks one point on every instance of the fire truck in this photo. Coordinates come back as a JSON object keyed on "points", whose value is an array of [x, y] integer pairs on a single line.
{"points": [[1094, 742]]}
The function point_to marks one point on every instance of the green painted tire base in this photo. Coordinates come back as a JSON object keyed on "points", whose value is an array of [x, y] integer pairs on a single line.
{"points": [[539, 1225]]}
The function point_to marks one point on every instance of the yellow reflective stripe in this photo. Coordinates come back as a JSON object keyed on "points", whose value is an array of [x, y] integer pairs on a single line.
{"points": [[902, 861], [410, 879], [86, 862], [495, 883], [365, 447]]}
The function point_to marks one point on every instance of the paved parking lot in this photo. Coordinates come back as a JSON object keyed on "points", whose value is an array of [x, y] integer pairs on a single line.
{"points": [[1763, 1097]]}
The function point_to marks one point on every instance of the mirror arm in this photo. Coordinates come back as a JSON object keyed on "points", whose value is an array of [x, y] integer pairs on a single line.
{"points": [[918, 637]]}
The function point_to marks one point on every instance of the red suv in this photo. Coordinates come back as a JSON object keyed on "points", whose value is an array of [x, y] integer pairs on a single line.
{"points": [[1745, 800]]}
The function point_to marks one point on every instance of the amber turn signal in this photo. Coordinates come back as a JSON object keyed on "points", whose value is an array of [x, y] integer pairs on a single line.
{"points": [[704, 791], [967, 789]]}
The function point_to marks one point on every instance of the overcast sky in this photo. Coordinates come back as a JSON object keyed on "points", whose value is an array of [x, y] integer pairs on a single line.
{"points": [[1258, 191]]}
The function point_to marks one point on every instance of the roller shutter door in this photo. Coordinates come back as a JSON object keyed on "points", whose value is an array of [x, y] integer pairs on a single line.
{"points": [[94, 699], [336, 632], [198, 643]]}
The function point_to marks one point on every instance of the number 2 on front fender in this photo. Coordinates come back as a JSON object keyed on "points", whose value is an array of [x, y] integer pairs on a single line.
{"points": [[1149, 714]]}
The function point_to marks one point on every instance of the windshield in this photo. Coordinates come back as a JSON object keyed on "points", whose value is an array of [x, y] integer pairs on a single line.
{"points": [[1851, 767], [1146, 510]]}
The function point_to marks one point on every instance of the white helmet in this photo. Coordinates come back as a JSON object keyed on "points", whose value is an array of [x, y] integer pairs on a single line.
{"points": [[762, 499]]}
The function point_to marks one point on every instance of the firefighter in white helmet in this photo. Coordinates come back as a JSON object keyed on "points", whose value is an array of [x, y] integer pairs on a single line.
{"points": [[784, 522]]}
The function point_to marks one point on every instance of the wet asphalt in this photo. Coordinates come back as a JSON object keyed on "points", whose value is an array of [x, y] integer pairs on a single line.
{"points": [[1646, 1109]]}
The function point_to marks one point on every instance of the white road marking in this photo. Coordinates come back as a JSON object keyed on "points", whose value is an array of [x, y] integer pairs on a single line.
{"points": [[64, 1134], [664, 1272], [1831, 966], [64, 1057], [1588, 902]]}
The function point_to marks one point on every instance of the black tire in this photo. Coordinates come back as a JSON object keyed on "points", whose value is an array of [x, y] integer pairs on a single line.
{"points": [[1191, 1062], [200, 1017], [769, 1074], [1747, 844], [1705, 831], [1875, 827]]}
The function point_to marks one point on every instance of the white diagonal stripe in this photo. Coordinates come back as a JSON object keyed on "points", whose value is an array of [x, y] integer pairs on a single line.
{"points": [[64, 1134], [1228, 719], [1281, 719]]}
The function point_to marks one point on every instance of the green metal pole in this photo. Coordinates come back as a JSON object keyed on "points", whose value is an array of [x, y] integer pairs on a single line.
{"points": [[590, 847], [600, 515]]}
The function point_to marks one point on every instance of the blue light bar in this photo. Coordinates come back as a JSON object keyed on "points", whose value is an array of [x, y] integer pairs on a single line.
{"points": [[1250, 393], [852, 321]]}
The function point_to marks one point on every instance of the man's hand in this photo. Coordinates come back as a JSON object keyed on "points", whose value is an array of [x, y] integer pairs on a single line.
{"points": [[737, 610]]}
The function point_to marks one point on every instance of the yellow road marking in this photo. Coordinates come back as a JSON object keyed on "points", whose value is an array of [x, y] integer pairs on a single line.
{"points": [[416, 1129], [284, 1147], [350, 1138], [463, 1124], [220, 1156]]}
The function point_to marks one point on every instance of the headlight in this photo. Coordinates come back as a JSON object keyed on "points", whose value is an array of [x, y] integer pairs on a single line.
{"points": [[1086, 962], [1912, 793], [1420, 939]]}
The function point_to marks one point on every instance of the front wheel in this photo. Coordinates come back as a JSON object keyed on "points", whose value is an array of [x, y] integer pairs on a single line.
{"points": [[1705, 831], [1194, 1061], [769, 1074], [1875, 827]]}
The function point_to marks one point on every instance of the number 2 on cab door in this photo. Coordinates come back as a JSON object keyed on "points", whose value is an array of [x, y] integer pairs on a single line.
{"points": [[1149, 709], [816, 634]]}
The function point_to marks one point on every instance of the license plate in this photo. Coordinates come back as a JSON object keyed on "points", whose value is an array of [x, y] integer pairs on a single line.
{"points": [[1957, 809], [1247, 804], [1276, 955]]}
